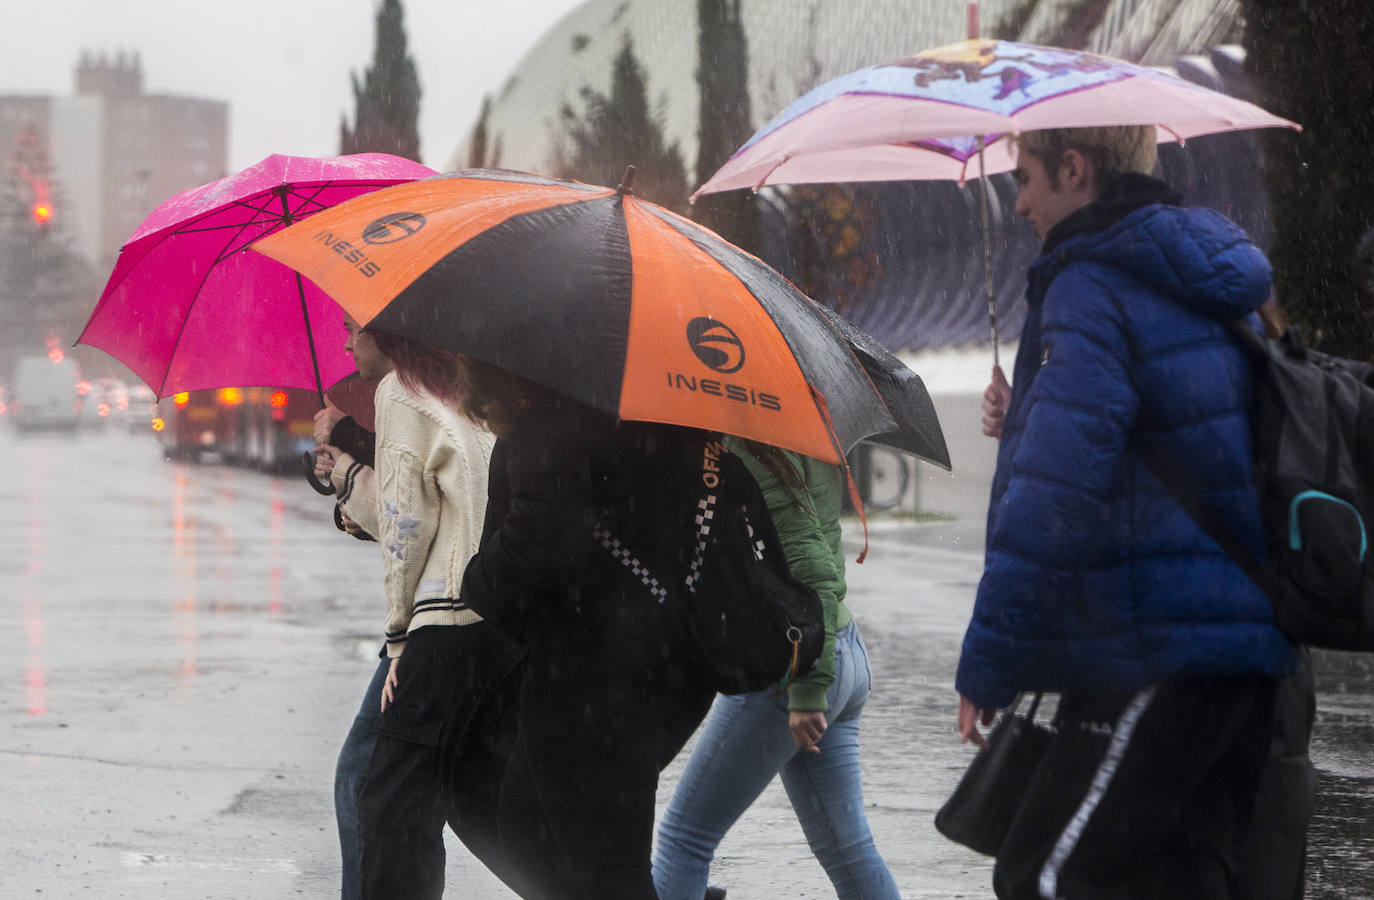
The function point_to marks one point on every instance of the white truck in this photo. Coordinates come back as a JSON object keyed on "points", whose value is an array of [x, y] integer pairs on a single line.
{"points": [[44, 394]]}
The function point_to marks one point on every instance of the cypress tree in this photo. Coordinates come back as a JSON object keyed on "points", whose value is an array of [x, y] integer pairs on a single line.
{"points": [[725, 120], [617, 130], [477, 147], [387, 100]]}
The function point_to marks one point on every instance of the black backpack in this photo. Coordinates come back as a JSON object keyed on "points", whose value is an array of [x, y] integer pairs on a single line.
{"points": [[748, 623], [1312, 424]]}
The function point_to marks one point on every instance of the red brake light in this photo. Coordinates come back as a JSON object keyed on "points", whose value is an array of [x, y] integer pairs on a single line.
{"points": [[279, 399]]}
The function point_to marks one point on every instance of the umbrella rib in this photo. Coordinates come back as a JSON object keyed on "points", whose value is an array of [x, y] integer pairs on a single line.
{"points": [[195, 295], [181, 328], [305, 310], [171, 233], [271, 219], [311, 198]]}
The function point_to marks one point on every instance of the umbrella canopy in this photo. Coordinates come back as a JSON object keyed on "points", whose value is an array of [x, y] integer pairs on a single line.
{"points": [[596, 294], [922, 117], [918, 429], [187, 307]]}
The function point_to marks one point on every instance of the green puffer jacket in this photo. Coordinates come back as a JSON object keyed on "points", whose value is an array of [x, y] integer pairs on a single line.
{"points": [[809, 528]]}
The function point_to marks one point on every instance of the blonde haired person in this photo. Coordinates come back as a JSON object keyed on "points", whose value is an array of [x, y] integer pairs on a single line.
{"points": [[1097, 584]]}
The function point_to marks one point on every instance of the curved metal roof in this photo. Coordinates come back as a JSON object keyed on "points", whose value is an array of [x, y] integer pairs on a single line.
{"points": [[927, 236]]}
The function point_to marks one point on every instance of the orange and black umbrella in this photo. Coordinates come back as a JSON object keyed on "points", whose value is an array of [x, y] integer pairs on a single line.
{"points": [[601, 296]]}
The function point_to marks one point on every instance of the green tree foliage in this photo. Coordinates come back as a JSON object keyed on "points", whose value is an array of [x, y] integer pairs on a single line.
{"points": [[725, 120], [619, 130], [46, 289], [388, 98], [832, 229], [1310, 62]]}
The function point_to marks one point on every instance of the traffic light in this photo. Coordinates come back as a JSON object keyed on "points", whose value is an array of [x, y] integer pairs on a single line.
{"points": [[41, 213]]}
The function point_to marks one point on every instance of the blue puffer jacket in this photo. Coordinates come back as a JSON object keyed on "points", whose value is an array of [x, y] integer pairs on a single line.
{"points": [[1096, 579]]}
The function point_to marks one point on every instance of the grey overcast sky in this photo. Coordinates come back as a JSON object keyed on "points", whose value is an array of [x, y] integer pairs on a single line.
{"points": [[282, 64]]}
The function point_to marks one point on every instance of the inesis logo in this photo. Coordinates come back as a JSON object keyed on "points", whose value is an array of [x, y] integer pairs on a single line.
{"points": [[719, 348], [388, 229], [393, 227], [715, 344]]}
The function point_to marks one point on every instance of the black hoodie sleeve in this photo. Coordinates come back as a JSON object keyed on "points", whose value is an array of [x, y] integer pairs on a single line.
{"points": [[538, 530]]}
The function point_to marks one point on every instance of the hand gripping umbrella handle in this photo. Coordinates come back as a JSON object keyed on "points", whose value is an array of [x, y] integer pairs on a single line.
{"points": [[321, 487]]}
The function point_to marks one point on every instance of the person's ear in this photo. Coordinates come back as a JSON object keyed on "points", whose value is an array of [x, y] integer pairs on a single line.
{"points": [[1075, 171]]}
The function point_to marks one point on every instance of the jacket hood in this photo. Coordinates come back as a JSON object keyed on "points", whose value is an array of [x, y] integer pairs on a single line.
{"points": [[1194, 255]]}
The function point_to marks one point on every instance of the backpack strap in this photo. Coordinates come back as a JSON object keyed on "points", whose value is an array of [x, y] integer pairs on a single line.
{"points": [[630, 561], [1209, 521], [1252, 342]]}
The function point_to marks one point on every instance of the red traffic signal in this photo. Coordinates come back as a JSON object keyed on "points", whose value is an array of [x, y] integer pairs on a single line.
{"points": [[41, 213]]}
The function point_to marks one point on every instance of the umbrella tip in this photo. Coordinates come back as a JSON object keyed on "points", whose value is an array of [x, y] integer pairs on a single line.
{"points": [[626, 183]]}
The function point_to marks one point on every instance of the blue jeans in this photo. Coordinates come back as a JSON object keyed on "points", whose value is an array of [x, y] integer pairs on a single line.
{"points": [[354, 756], [744, 743]]}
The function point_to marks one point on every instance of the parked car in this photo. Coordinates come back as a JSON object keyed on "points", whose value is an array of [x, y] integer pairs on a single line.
{"points": [[104, 401], [142, 409]]}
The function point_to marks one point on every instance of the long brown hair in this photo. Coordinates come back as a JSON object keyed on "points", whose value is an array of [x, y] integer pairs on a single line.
{"points": [[492, 396], [421, 365], [780, 464]]}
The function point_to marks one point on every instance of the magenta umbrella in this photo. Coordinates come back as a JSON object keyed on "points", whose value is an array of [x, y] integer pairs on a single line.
{"points": [[188, 308]]}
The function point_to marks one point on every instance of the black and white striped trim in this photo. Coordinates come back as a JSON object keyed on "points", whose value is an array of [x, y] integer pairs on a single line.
{"points": [[706, 514], [1102, 779], [353, 469], [631, 562], [443, 604]]}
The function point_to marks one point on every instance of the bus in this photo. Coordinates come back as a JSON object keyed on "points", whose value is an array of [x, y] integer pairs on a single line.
{"points": [[260, 427]]}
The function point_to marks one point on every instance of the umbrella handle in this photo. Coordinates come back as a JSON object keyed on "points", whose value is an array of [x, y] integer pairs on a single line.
{"points": [[321, 487]]}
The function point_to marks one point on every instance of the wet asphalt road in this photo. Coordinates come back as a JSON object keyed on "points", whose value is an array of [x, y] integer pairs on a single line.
{"points": [[184, 647]]}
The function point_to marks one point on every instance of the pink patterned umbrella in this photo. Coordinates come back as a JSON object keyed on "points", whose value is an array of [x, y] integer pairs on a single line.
{"points": [[188, 308], [927, 116], [922, 117]]}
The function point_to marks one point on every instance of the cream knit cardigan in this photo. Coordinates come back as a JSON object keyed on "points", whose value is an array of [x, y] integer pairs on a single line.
{"points": [[425, 504]]}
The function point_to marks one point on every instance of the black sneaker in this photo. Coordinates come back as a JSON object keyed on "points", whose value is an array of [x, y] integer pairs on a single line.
{"points": [[714, 893]]}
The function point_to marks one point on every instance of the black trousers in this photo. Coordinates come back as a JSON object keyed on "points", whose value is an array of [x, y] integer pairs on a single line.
{"points": [[603, 708], [1144, 795], [1274, 863], [441, 754]]}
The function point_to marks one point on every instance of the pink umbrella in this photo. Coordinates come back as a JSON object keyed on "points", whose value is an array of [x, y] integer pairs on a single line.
{"points": [[926, 116], [188, 308], [923, 117]]}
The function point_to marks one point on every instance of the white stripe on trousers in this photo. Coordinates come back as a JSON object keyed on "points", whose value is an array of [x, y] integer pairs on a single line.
{"points": [[1102, 778]]}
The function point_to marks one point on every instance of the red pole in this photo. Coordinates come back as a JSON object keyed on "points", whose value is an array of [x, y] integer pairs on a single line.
{"points": [[973, 20]]}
